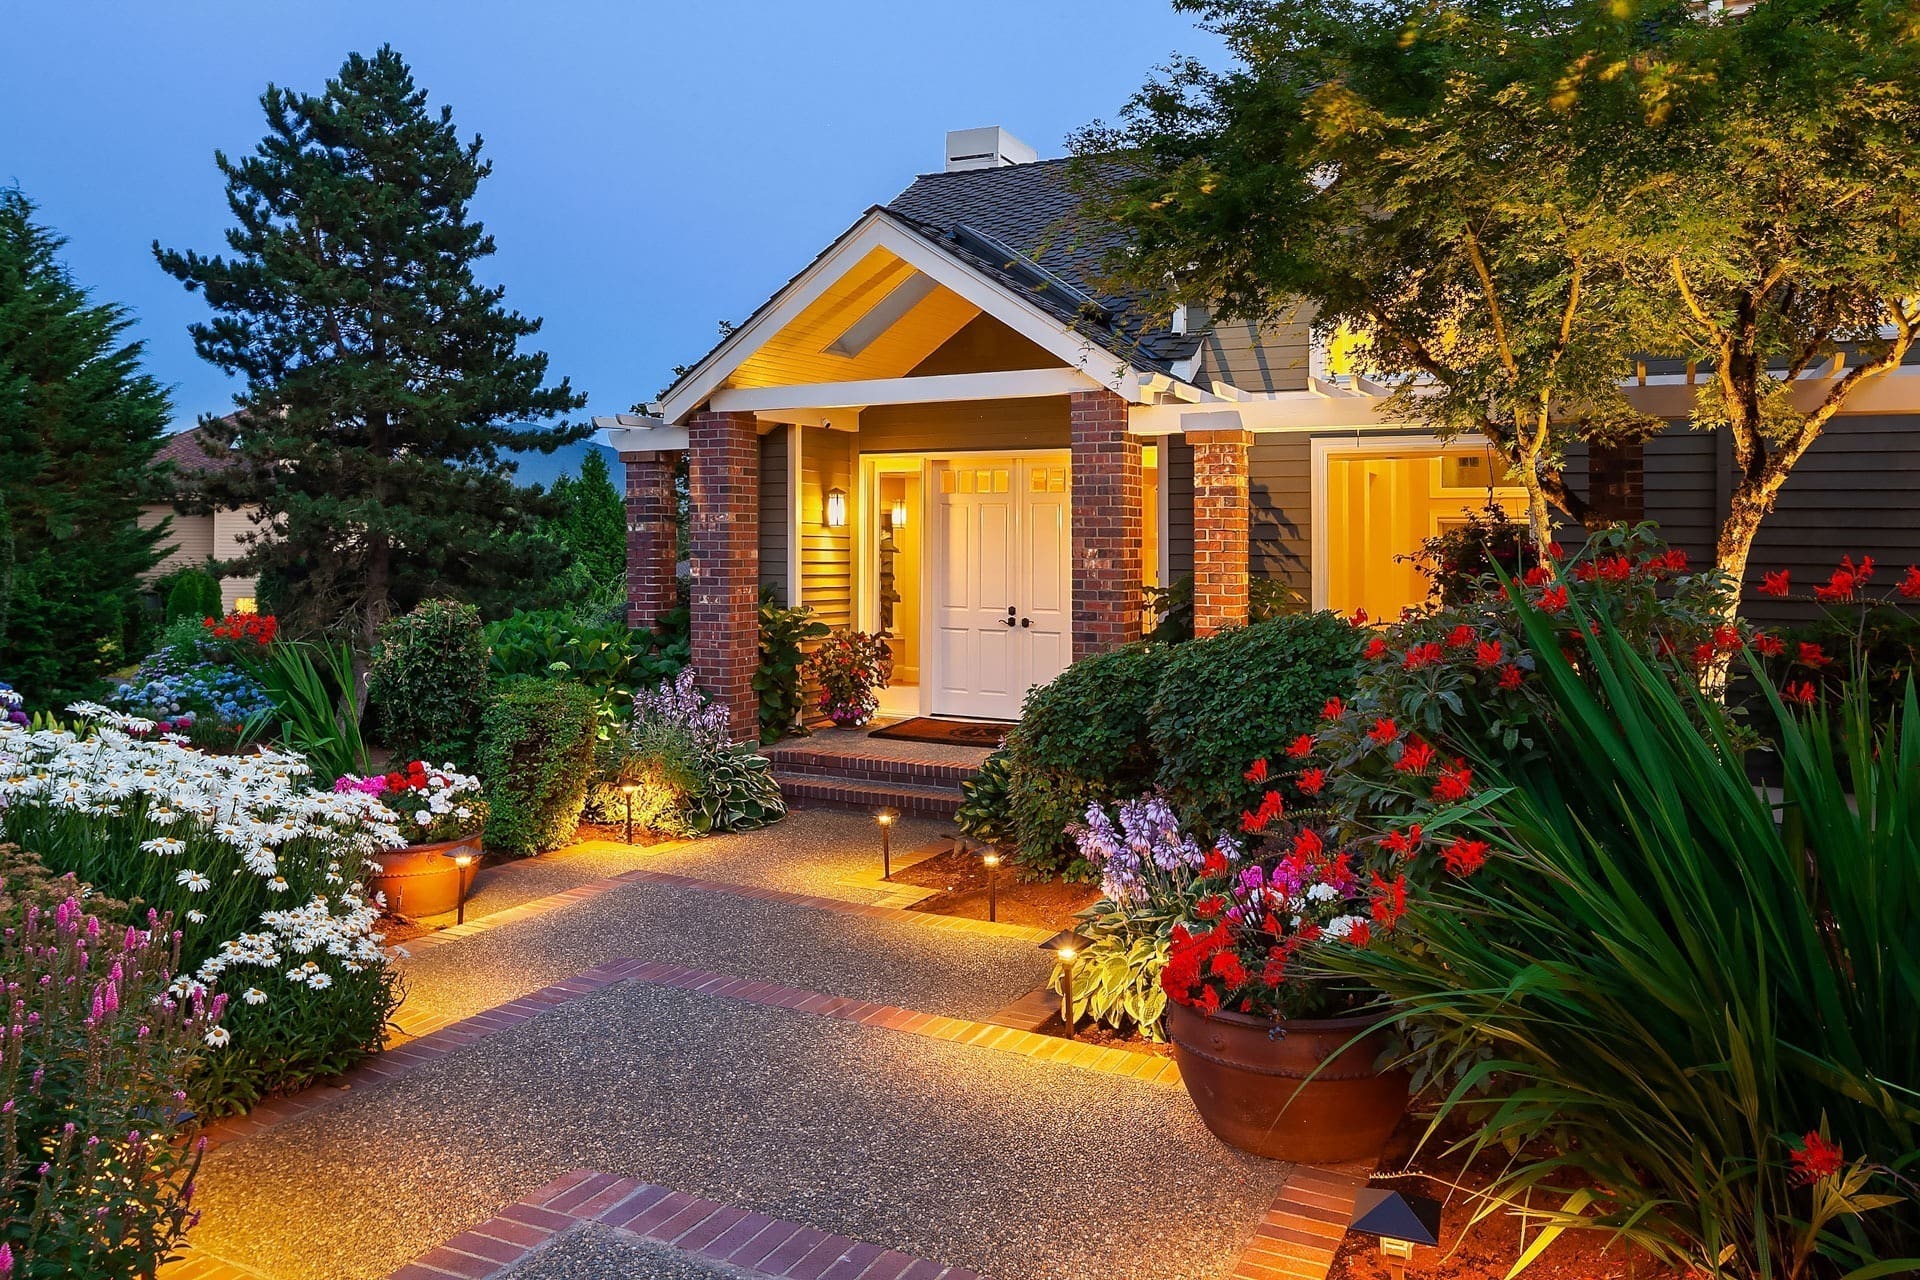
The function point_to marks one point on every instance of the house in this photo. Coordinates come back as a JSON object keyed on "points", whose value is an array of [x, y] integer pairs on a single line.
{"points": [[194, 538], [943, 428]]}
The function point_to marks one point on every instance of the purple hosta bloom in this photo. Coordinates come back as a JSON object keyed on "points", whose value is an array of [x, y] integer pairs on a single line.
{"points": [[679, 704], [1146, 852]]}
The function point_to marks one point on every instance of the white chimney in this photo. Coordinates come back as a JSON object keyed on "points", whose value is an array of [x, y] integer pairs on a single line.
{"points": [[989, 148]]}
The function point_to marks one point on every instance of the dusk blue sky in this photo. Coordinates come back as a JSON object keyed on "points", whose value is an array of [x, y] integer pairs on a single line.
{"points": [[657, 168]]}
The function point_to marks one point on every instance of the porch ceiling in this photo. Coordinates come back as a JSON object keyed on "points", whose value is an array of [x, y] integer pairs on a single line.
{"points": [[798, 353]]}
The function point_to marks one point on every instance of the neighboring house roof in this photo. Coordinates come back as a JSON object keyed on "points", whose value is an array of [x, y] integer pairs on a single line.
{"points": [[187, 452]]}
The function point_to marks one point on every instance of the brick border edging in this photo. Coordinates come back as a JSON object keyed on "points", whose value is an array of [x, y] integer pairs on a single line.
{"points": [[1303, 1228], [738, 1237]]}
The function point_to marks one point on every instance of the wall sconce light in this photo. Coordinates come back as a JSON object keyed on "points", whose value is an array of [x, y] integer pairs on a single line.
{"points": [[1400, 1221], [1066, 947], [899, 513], [836, 508]]}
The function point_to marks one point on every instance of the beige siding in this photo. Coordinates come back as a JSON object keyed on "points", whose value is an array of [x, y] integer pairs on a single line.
{"points": [[774, 500], [189, 540], [826, 563]]}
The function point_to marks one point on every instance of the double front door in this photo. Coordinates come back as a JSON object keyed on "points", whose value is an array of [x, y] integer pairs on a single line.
{"points": [[1000, 555]]}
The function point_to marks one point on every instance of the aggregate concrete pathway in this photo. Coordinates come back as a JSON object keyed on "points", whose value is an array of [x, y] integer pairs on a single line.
{"points": [[1012, 1166]]}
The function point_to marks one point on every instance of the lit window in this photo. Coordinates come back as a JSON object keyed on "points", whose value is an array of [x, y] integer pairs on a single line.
{"points": [[246, 604]]}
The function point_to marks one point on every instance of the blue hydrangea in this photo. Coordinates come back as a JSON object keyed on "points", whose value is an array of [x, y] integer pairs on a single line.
{"points": [[226, 695]]}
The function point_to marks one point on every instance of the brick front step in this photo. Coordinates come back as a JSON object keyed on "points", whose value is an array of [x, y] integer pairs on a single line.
{"points": [[893, 770], [837, 791]]}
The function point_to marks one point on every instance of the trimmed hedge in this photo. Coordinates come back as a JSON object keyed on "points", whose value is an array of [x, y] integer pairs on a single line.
{"points": [[428, 682], [536, 758]]}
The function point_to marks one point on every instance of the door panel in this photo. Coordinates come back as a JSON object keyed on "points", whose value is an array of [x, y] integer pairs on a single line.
{"points": [[1046, 596]]}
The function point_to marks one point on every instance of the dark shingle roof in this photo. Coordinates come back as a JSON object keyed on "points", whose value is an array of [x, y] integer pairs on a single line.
{"points": [[1033, 210], [186, 451]]}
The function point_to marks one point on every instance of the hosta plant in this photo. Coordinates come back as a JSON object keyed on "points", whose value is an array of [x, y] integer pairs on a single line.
{"points": [[97, 1149]]}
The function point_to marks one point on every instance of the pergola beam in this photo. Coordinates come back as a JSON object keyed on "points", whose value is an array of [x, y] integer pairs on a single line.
{"points": [[1015, 384]]}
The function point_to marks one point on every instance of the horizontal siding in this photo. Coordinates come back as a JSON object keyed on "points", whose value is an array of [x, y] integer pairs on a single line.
{"points": [[1177, 486], [1037, 423], [1280, 492], [189, 539], [826, 560], [773, 512], [1274, 358]]}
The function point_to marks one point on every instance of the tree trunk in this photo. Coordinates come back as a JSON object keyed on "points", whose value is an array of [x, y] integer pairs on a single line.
{"points": [[376, 604], [1749, 505]]}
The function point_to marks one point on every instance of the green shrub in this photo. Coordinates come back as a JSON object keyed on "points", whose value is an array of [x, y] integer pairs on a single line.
{"points": [[194, 595], [691, 779], [536, 758], [736, 792], [1237, 696], [1670, 982], [1082, 739], [96, 1161], [609, 659], [783, 636], [984, 802], [428, 682]]}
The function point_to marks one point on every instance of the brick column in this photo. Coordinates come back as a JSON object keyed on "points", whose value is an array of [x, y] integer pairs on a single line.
{"points": [[726, 562], [1107, 528], [651, 536], [1220, 514]]}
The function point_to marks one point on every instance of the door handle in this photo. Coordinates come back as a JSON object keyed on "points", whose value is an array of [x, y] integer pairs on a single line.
{"points": [[1011, 612], [1026, 622]]}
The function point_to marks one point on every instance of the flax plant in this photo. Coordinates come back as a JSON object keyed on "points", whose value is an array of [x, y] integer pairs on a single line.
{"points": [[1683, 1002]]}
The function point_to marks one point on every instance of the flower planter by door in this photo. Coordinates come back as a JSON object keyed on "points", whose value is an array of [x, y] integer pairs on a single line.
{"points": [[421, 879], [1261, 1086]]}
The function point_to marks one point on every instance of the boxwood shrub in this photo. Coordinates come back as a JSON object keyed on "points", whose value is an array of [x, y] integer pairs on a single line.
{"points": [[428, 682], [536, 758], [1236, 696]]}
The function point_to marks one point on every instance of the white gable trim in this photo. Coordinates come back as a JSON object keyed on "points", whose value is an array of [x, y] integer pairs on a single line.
{"points": [[877, 231]]}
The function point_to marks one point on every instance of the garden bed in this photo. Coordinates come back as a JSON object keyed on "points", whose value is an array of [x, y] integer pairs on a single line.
{"points": [[1488, 1250], [1096, 1033], [962, 885]]}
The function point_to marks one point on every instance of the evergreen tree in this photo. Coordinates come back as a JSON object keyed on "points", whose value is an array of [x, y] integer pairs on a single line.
{"points": [[383, 380], [593, 524], [79, 426]]}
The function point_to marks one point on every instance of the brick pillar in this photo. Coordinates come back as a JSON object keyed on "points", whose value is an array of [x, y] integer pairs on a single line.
{"points": [[1107, 528], [725, 477], [1220, 507], [651, 535], [1615, 488]]}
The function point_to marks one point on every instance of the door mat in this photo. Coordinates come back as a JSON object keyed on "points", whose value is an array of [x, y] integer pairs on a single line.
{"points": [[954, 733]]}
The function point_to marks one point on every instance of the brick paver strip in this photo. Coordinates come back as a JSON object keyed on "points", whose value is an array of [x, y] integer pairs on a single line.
{"points": [[750, 1241], [1304, 1226]]}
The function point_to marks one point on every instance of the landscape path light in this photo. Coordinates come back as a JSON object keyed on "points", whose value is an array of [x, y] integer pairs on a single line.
{"points": [[1066, 947], [463, 860], [886, 818], [627, 789], [990, 858], [1400, 1221]]}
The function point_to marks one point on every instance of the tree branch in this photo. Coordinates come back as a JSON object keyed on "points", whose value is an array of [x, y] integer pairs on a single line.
{"points": [[1493, 304]]}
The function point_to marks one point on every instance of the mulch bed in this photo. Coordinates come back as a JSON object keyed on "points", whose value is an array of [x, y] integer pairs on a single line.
{"points": [[962, 882], [1095, 1033], [1489, 1249], [616, 833]]}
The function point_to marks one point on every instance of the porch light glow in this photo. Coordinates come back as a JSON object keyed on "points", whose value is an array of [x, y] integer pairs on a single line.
{"points": [[836, 508], [899, 513], [463, 860]]}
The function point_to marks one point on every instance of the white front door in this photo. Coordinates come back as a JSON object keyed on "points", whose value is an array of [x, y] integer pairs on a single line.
{"points": [[1002, 582]]}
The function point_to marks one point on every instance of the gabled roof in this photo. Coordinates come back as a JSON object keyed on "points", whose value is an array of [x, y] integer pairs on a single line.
{"points": [[187, 452], [1016, 230]]}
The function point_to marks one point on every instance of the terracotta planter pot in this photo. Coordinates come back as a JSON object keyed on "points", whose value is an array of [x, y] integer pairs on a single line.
{"points": [[421, 879], [1248, 1077]]}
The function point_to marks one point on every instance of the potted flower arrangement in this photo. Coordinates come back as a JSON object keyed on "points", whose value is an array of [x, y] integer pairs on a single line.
{"points": [[848, 666], [1278, 1059], [441, 815]]}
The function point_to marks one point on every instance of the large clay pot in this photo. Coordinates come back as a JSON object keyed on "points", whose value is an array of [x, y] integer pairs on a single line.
{"points": [[423, 879], [1249, 1079]]}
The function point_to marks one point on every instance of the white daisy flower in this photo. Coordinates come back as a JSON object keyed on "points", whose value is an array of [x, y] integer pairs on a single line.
{"points": [[193, 881], [254, 995], [217, 1037]]}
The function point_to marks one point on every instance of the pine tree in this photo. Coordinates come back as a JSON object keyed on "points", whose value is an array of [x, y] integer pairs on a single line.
{"points": [[79, 426], [384, 381], [594, 523]]}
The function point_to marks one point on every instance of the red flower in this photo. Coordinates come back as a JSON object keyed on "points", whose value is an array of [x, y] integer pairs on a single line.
{"points": [[1461, 636], [1910, 585], [1768, 644], [1359, 934], [1312, 780], [1405, 843], [1215, 863], [1817, 1158], [1775, 583], [1555, 551], [1359, 618], [1488, 653], [1554, 599], [1702, 654], [1848, 578], [1415, 757], [1210, 907], [1333, 709], [1802, 693], [1726, 638], [1456, 783], [1423, 655], [1259, 819], [1307, 845], [1301, 746], [1384, 731], [1511, 677], [1811, 655], [1464, 857], [1376, 647], [1675, 561], [1258, 772], [1227, 967], [1539, 575], [1389, 900]]}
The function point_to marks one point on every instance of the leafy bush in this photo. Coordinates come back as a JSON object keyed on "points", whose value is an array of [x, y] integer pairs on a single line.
{"points": [[985, 800], [609, 659], [1458, 563], [1674, 987], [737, 792], [1236, 696], [1082, 739], [784, 634], [260, 873], [96, 1166], [312, 711], [536, 758], [1172, 605], [848, 666], [194, 595], [690, 779], [428, 681]]}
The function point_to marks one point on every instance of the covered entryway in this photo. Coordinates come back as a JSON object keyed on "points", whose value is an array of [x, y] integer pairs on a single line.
{"points": [[1000, 575]]}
